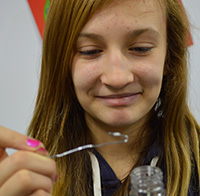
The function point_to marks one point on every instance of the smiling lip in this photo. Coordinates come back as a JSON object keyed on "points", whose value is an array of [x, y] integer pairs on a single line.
{"points": [[119, 100]]}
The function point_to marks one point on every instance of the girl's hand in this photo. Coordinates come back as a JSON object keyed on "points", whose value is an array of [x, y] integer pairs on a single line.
{"points": [[26, 172]]}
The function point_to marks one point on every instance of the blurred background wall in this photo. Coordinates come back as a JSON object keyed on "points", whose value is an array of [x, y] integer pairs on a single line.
{"points": [[20, 57]]}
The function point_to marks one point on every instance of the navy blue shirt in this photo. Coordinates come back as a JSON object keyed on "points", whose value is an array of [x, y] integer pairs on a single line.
{"points": [[110, 183]]}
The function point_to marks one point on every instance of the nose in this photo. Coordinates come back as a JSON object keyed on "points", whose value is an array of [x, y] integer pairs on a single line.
{"points": [[116, 72]]}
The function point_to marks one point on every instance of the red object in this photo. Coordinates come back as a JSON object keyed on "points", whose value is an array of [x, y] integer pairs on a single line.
{"points": [[189, 41], [37, 8]]}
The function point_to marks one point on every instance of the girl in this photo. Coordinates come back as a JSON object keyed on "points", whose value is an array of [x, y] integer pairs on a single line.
{"points": [[113, 65]]}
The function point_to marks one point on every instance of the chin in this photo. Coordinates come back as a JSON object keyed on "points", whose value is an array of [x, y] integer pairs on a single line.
{"points": [[120, 123]]}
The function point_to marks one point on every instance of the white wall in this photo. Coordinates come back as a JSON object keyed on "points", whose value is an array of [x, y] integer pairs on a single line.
{"points": [[193, 7], [20, 55]]}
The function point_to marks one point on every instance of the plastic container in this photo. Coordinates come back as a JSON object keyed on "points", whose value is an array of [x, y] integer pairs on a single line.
{"points": [[147, 181]]}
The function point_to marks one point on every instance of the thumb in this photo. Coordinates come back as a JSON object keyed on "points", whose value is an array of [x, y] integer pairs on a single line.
{"points": [[15, 140]]}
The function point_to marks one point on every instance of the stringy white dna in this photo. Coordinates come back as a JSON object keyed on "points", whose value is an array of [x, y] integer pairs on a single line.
{"points": [[87, 146]]}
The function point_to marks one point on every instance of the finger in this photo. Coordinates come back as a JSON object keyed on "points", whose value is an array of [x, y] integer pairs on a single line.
{"points": [[42, 151], [3, 154], [29, 161], [12, 139], [25, 183], [40, 193]]}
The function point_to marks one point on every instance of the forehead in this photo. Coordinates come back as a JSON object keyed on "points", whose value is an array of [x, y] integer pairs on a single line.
{"points": [[129, 11], [146, 5]]}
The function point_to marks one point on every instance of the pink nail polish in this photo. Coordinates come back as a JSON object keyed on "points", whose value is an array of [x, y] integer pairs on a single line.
{"points": [[55, 179], [42, 150], [33, 143]]}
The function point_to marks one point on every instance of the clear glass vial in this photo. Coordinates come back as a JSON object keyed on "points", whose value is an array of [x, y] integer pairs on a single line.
{"points": [[147, 181]]}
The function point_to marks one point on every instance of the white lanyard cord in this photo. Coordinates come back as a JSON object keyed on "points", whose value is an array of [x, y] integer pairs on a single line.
{"points": [[96, 175], [154, 161]]}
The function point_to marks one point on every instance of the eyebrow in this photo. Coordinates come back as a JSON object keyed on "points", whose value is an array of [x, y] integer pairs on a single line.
{"points": [[132, 34], [138, 32], [91, 36]]}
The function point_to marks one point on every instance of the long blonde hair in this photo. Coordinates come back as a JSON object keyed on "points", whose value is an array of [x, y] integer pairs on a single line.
{"points": [[59, 121]]}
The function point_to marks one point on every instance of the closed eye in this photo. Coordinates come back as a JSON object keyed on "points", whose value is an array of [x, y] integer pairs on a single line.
{"points": [[141, 50], [90, 52]]}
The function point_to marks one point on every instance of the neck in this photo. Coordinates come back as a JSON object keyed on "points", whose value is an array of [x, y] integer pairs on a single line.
{"points": [[116, 155]]}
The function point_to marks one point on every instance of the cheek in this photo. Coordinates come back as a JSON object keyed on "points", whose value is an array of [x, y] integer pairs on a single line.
{"points": [[84, 75], [151, 74]]}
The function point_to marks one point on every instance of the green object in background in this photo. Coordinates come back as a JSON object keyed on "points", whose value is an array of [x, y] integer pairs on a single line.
{"points": [[46, 8]]}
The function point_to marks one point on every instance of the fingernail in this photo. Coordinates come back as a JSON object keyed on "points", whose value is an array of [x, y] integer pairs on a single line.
{"points": [[33, 143], [55, 179], [42, 150]]}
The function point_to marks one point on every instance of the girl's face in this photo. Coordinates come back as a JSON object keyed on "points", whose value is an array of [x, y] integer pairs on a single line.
{"points": [[118, 64]]}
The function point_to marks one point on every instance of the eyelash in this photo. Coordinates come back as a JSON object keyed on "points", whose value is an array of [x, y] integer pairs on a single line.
{"points": [[90, 52], [141, 49], [95, 52]]}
